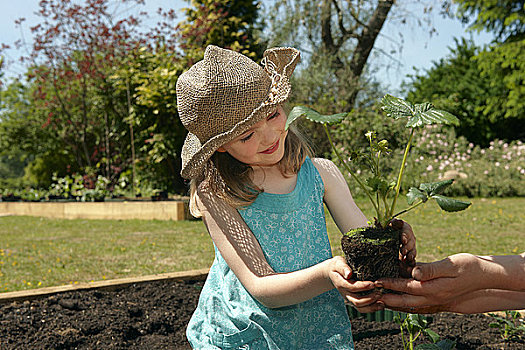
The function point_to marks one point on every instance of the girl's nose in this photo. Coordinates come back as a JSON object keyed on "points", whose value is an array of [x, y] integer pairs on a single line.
{"points": [[269, 135]]}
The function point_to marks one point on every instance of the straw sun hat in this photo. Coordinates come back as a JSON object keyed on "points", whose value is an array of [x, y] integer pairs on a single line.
{"points": [[225, 94]]}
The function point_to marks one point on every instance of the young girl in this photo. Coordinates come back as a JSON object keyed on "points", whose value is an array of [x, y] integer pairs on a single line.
{"points": [[274, 283]]}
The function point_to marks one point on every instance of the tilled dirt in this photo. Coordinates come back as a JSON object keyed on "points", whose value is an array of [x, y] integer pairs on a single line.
{"points": [[153, 315]]}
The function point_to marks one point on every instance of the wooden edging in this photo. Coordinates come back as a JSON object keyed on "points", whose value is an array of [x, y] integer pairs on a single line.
{"points": [[197, 275], [157, 210]]}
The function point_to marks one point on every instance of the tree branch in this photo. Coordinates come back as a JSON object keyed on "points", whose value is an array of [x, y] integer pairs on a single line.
{"points": [[367, 39]]}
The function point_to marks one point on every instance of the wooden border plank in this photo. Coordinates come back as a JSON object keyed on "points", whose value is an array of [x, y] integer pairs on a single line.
{"points": [[197, 275]]}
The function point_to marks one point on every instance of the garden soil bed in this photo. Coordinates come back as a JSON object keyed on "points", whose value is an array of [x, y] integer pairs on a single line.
{"points": [[153, 315]]}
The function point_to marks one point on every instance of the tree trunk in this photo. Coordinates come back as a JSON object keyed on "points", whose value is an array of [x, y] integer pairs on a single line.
{"points": [[366, 42]]}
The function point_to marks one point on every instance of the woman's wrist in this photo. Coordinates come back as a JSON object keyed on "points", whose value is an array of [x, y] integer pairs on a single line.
{"points": [[502, 272]]}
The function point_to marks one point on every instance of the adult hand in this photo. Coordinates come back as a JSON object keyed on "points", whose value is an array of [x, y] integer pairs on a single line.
{"points": [[407, 251], [435, 286], [340, 274]]}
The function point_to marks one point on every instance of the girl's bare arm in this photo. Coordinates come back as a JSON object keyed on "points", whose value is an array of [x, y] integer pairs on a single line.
{"points": [[243, 254]]}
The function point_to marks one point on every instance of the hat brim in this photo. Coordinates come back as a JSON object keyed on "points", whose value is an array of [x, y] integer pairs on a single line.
{"points": [[197, 154]]}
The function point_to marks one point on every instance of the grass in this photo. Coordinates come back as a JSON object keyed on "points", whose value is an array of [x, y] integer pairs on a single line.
{"points": [[41, 252]]}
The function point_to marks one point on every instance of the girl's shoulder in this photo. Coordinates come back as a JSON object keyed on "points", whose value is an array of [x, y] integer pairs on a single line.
{"points": [[325, 167], [328, 171]]}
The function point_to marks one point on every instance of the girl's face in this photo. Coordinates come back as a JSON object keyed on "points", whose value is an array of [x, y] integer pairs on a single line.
{"points": [[263, 143]]}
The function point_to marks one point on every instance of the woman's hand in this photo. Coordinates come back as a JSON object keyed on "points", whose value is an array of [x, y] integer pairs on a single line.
{"points": [[407, 251], [340, 273], [435, 286]]}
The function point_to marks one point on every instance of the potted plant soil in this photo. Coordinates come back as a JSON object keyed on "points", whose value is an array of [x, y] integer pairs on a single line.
{"points": [[373, 251]]}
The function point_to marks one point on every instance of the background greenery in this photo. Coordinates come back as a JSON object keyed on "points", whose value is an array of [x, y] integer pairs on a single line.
{"points": [[98, 97]]}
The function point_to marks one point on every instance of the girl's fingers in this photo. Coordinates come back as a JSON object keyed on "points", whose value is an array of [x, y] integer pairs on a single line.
{"points": [[346, 286], [371, 308], [360, 301]]}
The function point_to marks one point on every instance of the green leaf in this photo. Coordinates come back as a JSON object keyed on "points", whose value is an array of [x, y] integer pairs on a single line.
{"points": [[424, 116], [450, 204], [427, 347], [310, 114], [396, 107], [432, 335], [414, 194], [418, 115], [377, 184], [433, 188], [446, 344]]}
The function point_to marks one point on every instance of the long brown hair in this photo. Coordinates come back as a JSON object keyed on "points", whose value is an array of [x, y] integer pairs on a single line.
{"points": [[231, 180]]}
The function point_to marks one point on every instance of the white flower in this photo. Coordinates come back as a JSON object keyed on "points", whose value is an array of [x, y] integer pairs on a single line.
{"points": [[430, 168], [496, 164], [486, 172]]}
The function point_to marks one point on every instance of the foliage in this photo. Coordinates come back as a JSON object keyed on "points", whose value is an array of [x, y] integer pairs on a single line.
{"points": [[505, 18], [506, 63], [511, 326], [475, 97], [149, 79], [378, 187], [225, 23], [501, 63], [412, 326], [99, 95]]}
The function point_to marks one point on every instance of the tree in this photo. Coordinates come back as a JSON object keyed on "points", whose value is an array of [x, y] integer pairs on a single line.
{"points": [[337, 38], [83, 98], [504, 59], [226, 23], [151, 78], [468, 97]]}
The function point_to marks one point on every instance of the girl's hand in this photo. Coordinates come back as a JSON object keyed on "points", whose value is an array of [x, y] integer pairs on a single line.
{"points": [[407, 251], [340, 273]]}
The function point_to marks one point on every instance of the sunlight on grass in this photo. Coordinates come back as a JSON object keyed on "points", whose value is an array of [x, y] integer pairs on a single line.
{"points": [[41, 252], [489, 226]]}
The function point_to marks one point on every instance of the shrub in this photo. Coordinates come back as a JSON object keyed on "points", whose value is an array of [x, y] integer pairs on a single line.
{"points": [[495, 171]]}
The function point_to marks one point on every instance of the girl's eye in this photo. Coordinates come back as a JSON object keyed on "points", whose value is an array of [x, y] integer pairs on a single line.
{"points": [[273, 116], [246, 138]]}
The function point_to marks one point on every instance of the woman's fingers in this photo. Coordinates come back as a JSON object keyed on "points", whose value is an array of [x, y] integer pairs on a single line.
{"points": [[437, 269]]}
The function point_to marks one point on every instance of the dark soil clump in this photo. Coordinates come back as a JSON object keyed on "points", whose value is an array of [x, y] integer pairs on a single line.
{"points": [[372, 252], [154, 315]]}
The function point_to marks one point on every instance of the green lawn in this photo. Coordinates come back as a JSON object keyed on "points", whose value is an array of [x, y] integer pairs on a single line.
{"points": [[40, 252]]}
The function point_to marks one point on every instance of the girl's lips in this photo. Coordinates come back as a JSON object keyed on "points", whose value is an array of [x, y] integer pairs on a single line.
{"points": [[272, 149]]}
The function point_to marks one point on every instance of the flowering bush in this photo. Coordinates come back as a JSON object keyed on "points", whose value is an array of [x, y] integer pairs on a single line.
{"points": [[495, 171]]}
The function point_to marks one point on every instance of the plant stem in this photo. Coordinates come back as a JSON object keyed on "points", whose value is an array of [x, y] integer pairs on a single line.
{"points": [[363, 186], [408, 209], [400, 176]]}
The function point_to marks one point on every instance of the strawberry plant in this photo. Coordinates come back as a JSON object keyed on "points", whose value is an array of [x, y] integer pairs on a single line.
{"points": [[364, 247]]}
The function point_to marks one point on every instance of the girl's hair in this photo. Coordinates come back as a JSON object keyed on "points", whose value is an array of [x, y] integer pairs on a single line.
{"points": [[230, 180]]}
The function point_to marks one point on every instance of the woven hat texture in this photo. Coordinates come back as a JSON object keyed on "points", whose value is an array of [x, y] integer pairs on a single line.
{"points": [[226, 93]]}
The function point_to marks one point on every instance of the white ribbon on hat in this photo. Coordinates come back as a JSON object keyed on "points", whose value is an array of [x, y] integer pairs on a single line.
{"points": [[271, 68]]}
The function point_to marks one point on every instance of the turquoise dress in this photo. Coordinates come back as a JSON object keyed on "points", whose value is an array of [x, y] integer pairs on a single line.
{"points": [[291, 230]]}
